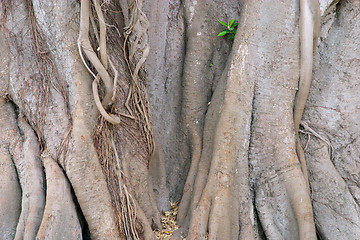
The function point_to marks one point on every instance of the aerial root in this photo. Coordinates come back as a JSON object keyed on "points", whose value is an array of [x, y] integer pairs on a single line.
{"points": [[128, 208], [311, 132], [110, 118], [85, 46], [136, 41]]}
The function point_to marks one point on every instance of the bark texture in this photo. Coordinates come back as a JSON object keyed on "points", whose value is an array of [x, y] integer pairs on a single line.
{"points": [[89, 88], [333, 154]]}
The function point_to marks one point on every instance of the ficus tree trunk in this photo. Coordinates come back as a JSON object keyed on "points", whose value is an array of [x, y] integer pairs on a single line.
{"points": [[115, 115]]}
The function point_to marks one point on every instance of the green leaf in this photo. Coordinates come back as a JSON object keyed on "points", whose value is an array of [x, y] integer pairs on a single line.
{"points": [[234, 32], [235, 25], [223, 33], [225, 24], [232, 22], [232, 37]]}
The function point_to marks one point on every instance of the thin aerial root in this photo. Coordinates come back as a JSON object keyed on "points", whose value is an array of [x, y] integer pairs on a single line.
{"points": [[302, 160], [62, 148], [93, 24], [83, 60], [110, 118], [309, 32], [311, 132], [116, 73], [128, 206], [102, 37], [128, 100]]}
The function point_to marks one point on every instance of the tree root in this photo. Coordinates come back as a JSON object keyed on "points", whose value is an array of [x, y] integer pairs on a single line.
{"points": [[31, 179], [60, 220], [10, 191]]}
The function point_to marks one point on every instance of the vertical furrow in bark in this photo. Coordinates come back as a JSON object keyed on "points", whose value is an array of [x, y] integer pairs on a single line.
{"points": [[164, 66], [204, 62], [60, 220], [135, 173], [4, 62]]}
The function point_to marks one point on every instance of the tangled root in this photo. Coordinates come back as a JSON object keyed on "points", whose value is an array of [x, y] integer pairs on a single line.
{"points": [[136, 49], [136, 42]]}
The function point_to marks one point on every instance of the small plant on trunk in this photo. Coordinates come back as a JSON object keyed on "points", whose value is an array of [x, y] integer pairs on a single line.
{"points": [[230, 29]]}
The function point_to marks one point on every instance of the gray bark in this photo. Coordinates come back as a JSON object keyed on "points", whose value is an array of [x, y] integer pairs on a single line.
{"points": [[221, 117]]}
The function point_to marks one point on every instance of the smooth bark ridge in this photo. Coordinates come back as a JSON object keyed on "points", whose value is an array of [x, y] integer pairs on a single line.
{"points": [[60, 219], [79, 80], [10, 210]]}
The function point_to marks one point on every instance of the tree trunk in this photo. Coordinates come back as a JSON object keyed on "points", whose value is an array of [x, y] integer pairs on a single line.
{"points": [[132, 119]]}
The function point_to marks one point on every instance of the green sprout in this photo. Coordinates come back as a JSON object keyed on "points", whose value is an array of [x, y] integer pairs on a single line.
{"points": [[230, 29]]}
